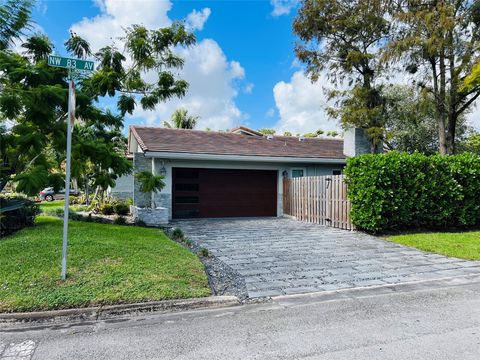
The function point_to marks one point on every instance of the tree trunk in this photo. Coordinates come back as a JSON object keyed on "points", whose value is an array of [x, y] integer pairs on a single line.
{"points": [[97, 189], [441, 106], [87, 194], [451, 132], [442, 140], [452, 108]]}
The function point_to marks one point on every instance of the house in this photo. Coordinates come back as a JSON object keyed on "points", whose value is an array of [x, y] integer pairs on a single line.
{"points": [[229, 174], [123, 188]]}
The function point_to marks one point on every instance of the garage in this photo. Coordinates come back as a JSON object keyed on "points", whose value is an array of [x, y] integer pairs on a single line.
{"points": [[213, 193]]}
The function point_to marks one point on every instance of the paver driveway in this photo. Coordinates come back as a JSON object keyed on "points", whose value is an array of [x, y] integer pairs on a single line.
{"points": [[283, 256]]}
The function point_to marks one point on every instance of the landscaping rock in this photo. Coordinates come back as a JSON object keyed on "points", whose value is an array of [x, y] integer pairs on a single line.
{"points": [[222, 278]]}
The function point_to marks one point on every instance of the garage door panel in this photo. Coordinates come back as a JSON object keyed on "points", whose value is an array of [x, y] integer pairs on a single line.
{"points": [[224, 192]]}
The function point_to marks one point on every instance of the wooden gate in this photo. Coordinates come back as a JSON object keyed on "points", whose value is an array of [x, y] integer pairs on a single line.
{"points": [[318, 199]]}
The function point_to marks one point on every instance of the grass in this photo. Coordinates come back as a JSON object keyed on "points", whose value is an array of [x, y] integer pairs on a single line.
{"points": [[107, 264], [464, 245], [48, 207]]}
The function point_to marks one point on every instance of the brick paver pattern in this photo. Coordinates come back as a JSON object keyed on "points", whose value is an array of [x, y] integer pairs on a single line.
{"points": [[279, 256]]}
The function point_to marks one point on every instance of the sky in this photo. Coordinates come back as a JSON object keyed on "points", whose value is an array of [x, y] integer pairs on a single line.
{"points": [[242, 70]]}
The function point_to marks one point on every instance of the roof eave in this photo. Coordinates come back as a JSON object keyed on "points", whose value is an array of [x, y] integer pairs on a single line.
{"points": [[251, 158]]}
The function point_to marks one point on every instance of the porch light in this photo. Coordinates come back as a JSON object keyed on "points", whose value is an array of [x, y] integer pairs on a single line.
{"points": [[162, 171]]}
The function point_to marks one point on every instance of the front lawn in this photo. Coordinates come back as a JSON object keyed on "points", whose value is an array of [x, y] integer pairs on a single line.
{"points": [[49, 207], [464, 245], [106, 264]]}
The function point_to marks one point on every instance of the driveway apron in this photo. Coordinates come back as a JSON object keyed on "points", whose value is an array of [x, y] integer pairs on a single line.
{"points": [[280, 256]]}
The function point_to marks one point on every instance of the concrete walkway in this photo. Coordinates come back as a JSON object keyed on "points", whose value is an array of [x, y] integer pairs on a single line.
{"points": [[279, 256]]}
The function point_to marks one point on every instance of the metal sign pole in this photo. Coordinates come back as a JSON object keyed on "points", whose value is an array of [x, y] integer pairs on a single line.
{"points": [[67, 174], [84, 66]]}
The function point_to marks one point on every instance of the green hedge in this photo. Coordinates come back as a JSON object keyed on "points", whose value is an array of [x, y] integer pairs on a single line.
{"points": [[18, 218], [403, 191]]}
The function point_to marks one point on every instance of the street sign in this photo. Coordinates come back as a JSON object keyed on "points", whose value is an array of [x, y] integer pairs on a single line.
{"points": [[69, 63]]}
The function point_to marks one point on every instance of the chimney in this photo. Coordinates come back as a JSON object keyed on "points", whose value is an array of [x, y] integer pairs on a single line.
{"points": [[356, 142]]}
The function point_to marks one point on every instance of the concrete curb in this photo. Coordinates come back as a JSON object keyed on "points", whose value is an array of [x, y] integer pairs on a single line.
{"points": [[385, 289], [102, 312]]}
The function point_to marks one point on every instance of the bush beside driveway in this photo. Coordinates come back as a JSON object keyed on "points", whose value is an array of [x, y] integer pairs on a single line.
{"points": [[107, 264]]}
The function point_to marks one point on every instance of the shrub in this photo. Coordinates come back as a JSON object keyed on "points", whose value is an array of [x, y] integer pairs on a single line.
{"points": [[121, 208], [177, 234], [140, 223], [72, 215], [399, 191], [120, 220], [203, 252], [16, 219], [106, 209], [80, 199]]}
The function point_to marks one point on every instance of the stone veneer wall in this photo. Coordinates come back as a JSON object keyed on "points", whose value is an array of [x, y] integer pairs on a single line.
{"points": [[163, 200], [151, 217], [141, 163]]}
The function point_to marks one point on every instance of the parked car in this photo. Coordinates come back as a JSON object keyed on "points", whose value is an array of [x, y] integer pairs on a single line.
{"points": [[49, 194]]}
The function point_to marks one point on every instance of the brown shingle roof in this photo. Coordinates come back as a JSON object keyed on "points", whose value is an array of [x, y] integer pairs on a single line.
{"points": [[220, 143]]}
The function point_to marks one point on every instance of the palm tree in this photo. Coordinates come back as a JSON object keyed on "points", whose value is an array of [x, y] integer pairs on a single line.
{"points": [[150, 183], [15, 16], [181, 119], [38, 47], [78, 46]]}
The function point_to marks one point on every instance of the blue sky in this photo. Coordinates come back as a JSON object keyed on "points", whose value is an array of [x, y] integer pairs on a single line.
{"points": [[242, 71]]}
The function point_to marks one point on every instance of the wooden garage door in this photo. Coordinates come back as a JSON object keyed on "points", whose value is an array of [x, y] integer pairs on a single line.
{"points": [[224, 193]]}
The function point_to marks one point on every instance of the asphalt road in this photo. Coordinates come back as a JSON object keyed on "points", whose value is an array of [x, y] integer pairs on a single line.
{"points": [[440, 321]]}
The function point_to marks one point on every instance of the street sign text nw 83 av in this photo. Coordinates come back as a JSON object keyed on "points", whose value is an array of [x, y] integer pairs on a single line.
{"points": [[68, 63]]}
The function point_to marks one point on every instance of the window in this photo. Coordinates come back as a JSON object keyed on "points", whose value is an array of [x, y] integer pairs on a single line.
{"points": [[337, 172], [297, 173]]}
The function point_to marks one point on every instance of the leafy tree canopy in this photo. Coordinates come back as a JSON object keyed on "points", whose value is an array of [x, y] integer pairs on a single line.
{"points": [[33, 100], [344, 37]]}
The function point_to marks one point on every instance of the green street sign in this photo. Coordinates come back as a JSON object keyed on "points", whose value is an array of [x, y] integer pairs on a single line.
{"points": [[68, 63]]}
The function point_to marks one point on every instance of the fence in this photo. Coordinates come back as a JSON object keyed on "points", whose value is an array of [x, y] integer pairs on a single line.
{"points": [[318, 199]]}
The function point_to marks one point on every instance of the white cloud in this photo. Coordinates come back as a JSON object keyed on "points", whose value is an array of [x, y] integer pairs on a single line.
{"points": [[212, 77], [197, 19], [115, 15], [282, 7], [302, 105], [237, 70], [211, 93], [270, 113]]}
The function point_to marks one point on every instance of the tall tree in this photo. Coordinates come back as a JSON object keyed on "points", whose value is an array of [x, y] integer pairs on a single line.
{"points": [[33, 99], [181, 119], [343, 37], [410, 120], [439, 41]]}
